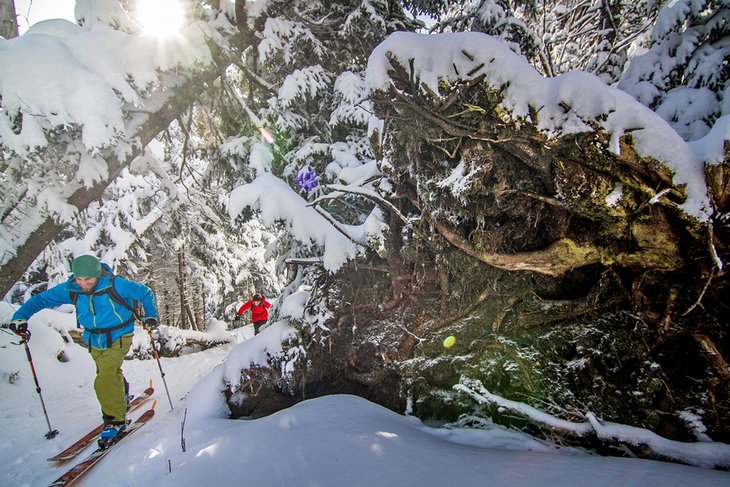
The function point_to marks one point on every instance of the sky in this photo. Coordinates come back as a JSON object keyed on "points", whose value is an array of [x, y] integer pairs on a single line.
{"points": [[330, 441]]}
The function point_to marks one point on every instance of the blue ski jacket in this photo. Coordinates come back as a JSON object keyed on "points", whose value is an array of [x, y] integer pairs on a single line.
{"points": [[104, 320]]}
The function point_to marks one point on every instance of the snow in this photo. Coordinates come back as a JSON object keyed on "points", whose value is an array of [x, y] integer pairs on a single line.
{"points": [[305, 83], [710, 147], [701, 453], [52, 71], [43, 70], [329, 441], [350, 87], [458, 181], [614, 196], [31, 12]]}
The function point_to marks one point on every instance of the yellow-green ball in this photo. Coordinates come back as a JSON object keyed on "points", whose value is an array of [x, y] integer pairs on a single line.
{"points": [[449, 341]]}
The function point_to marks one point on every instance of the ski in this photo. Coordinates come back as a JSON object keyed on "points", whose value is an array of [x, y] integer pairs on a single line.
{"points": [[81, 444], [83, 467]]}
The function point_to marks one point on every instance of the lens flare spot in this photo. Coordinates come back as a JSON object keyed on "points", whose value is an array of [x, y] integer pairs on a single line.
{"points": [[161, 17]]}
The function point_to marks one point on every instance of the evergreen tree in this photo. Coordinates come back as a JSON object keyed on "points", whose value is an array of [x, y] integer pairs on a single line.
{"points": [[590, 36], [293, 105], [684, 73], [505, 19], [301, 87], [214, 261], [88, 150], [556, 36]]}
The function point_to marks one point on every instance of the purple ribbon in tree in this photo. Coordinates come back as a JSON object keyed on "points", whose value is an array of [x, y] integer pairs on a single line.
{"points": [[307, 178]]}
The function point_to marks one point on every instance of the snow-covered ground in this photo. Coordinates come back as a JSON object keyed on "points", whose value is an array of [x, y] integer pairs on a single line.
{"points": [[330, 441]]}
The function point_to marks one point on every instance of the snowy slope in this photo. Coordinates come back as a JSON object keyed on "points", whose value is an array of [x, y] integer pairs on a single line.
{"points": [[330, 441]]}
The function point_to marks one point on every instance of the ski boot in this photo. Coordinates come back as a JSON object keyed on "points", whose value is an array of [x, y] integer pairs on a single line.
{"points": [[110, 433]]}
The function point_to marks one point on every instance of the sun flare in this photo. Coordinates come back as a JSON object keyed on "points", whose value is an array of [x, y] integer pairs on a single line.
{"points": [[161, 17]]}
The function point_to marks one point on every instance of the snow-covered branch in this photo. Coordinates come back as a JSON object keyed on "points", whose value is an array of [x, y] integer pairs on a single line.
{"points": [[278, 202], [368, 193], [700, 454], [138, 85]]}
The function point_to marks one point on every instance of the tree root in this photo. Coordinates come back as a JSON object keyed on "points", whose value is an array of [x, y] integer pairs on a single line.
{"points": [[557, 258]]}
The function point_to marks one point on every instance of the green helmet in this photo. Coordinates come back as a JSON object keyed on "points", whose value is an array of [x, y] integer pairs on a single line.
{"points": [[86, 266]]}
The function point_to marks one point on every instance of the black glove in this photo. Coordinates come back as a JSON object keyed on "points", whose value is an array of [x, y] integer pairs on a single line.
{"points": [[20, 328], [150, 324]]}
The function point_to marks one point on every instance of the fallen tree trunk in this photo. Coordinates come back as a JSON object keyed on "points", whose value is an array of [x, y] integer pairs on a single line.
{"points": [[557, 292]]}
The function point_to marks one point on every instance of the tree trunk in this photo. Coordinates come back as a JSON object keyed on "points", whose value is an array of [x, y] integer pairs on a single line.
{"points": [[202, 305], [8, 19], [168, 313], [181, 289], [191, 317]]}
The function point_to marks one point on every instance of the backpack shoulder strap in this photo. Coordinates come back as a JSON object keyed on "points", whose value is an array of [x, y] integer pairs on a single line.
{"points": [[74, 297], [116, 297]]}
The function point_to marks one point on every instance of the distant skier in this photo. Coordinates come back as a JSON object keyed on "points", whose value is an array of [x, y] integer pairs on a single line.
{"points": [[105, 307], [259, 311]]}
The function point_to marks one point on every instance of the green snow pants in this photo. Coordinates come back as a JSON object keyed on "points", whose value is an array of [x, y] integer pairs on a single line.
{"points": [[109, 382]]}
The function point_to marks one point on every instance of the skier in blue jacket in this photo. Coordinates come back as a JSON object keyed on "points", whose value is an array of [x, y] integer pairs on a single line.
{"points": [[106, 308]]}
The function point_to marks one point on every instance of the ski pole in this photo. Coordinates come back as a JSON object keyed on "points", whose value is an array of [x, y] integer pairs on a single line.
{"points": [[51, 432], [157, 357], [138, 313]]}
